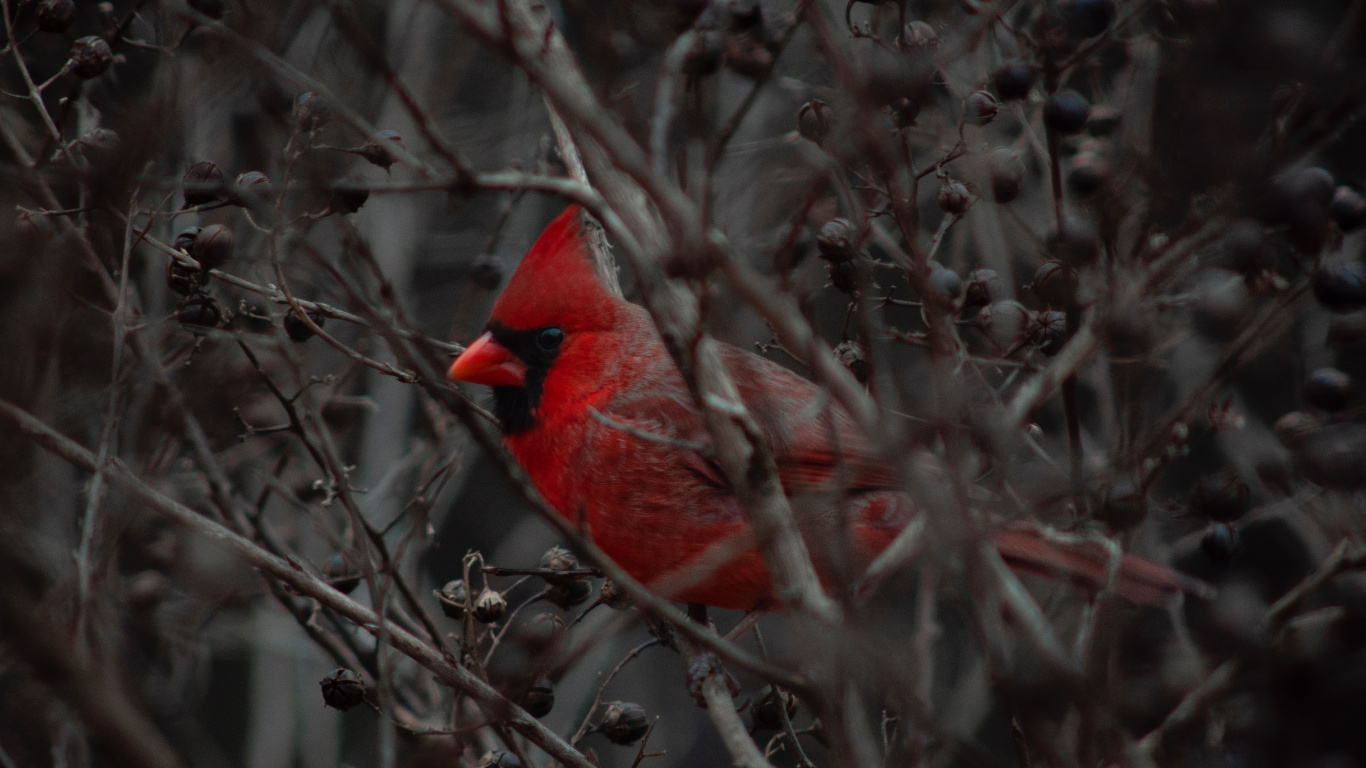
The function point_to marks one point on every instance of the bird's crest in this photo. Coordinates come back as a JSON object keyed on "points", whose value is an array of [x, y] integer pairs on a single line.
{"points": [[556, 283]]}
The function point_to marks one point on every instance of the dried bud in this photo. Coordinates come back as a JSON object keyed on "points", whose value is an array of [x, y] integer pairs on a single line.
{"points": [[251, 186], [624, 722], [1221, 497], [91, 57], [835, 241], [297, 330], [203, 183], [199, 311], [983, 285], [379, 151], [1013, 79], [1055, 284], [182, 279], [1103, 120], [540, 632], [184, 239], [1088, 173], [1007, 174], [490, 607], [343, 576], [211, 8], [487, 271], [980, 108], [343, 689], [612, 595], [1004, 322], [1066, 111], [1328, 389], [569, 594], [310, 111], [814, 121], [954, 198], [452, 599], [349, 194], [560, 559], [1341, 288], [1221, 544], [213, 246], [539, 699], [904, 112], [1125, 505], [766, 713], [56, 15], [1348, 208], [1048, 332], [851, 356]]}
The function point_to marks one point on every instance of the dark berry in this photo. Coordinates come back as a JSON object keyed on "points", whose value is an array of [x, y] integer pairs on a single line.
{"points": [[310, 111], [1246, 248], [1103, 120], [946, 287], [343, 689], [1004, 323], [539, 699], [340, 574], [569, 594], [56, 15], [1066, 111], [904, 112], [541, 632], [624, 722], [251, 187], [349, 194], [199, 311], [297, 330], [1348, 208], [213, 246], [1013, 79], [452, 598], [1222, 303], [1328, 389], [203, 183], [1055, 284], [380, 150], [184, 240], [1221, 497], [1007, 174], [1048, 332], [1221, 544], [844, 275], [182, 279], [980, 108], [1341, 288], [91, 57], [835, 241], [1087, 174], [983, 285]]}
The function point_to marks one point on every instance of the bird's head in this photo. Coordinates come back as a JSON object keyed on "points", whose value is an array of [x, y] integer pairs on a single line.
{"points": [[553, 299]]}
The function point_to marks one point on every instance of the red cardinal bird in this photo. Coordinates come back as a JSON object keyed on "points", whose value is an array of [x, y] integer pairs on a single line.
{"points": [[594, 408]]}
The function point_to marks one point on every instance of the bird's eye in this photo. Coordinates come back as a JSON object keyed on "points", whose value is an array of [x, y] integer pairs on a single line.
{"points": [[549, 338]]}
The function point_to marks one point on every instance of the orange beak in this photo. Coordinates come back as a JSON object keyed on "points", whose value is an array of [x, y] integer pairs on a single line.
{"points": [[489, 363]]}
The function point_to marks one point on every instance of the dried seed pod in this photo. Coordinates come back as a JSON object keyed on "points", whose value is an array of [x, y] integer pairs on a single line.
{"points": [[452, 598], [341, 574], [343, 689], [1004, 323], [311, 111], [1220, 496], [1013, 79], [1341, 288], [613, 596], [835, 241], [560, 559], [540, 632], [203, 183], [349, 194], [814, 121], [182, 279], [487, 271], [199, 311], [1048, 332], [184, 239], [918, 34], [954, 198], [1348, 208], [980, 108], [945, 286], [904, 112], [539, 699], [1221, 543], [1087, 173], [1007, 174], [1125, 505], [1055, 284], [844, 275], [91, 57], [380, 150], [1328, 389], [1066, 111], [251, 186], [297, 330], [490, 606], [56, 15], [213, 246], [569, 594], [766, 714], [624, 722], [983, 287], [851, 356]]}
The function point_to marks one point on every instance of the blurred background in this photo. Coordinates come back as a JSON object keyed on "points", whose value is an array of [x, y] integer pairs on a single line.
{"points": [[1221, 421]]}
